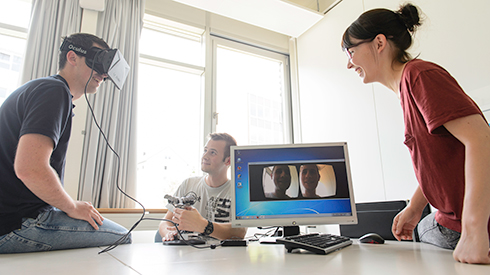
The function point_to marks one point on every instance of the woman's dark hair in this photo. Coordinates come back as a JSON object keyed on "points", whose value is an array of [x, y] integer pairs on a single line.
{"points": [[397, 26], [84, 40]]}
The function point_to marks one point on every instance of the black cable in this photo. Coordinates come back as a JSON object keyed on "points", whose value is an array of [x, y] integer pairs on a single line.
{"points": [[275, 232], [272, 231], [124, 237], [269, 227]]}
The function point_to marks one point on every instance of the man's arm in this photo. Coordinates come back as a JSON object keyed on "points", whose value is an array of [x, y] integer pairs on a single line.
{"points": [[474, 133], [189, 219], [32, 167]]}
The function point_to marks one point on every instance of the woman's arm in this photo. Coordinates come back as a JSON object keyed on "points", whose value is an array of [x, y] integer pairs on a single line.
{"points": [[474, 133]]}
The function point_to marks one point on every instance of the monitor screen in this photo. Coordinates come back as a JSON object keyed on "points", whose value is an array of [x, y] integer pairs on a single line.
{"points": [[291, 185]]}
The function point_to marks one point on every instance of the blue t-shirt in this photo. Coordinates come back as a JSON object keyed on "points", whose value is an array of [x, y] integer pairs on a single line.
{"points": [[41, 106]]}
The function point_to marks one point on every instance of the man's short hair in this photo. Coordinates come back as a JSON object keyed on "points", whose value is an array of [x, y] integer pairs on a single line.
{"points": [[84, 40], [230, 141]]}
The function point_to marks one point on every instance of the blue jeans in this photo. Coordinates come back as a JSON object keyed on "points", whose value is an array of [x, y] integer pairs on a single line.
{"points": [[54, 230], [431, 232]]}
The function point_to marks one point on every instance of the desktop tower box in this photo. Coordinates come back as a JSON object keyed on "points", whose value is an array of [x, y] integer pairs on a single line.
{"points": [[376, 217]]}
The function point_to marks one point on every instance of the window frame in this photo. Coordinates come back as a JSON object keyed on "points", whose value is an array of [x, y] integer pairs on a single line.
{"points": [[248, 48], [19, 33], [211, 116], [210, 42]]}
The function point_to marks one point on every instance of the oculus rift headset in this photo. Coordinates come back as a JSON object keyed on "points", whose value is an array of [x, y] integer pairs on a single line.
{"points": [[104, 61]]}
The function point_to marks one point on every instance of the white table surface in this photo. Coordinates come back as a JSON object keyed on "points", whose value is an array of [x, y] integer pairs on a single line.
{"points": [[155, 258]]}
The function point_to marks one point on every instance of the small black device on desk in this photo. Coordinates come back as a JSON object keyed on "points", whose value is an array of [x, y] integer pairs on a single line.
{"points": [[184, 242], [189, 238], [315, 242], [189, 241], [234, 242]]}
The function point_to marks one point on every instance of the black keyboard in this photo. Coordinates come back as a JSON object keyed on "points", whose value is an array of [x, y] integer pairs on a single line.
{"points": [[315, 242]]}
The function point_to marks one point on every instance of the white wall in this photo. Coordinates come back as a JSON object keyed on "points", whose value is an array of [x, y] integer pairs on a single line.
{"points": [[337, 106]]}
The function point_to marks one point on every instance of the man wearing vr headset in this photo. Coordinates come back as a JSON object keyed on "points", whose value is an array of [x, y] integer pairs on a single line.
{"points": [[36, 213]]}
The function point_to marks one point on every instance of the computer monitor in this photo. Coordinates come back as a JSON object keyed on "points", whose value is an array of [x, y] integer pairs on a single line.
{"points": [[256, 170]]}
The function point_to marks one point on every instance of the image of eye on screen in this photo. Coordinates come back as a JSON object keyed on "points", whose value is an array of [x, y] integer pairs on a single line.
{"points": [[307, 181], [295, 181]]}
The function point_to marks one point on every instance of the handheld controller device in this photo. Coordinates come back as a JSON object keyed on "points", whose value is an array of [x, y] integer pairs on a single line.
{"points": [[188, 200]]}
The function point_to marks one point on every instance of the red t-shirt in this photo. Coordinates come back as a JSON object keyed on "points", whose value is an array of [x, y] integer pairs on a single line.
{"points": [[430, 97]]}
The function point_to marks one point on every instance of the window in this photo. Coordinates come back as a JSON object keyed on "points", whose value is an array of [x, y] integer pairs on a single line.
{"points": [[252, 93], [249, 99], [169, 109], [13, 36]]}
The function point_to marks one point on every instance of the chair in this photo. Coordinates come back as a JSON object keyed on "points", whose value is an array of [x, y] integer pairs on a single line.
{"points": [[158, 238]]}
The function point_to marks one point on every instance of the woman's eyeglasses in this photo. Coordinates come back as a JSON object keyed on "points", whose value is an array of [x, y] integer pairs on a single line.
{"points": [[349, 53]]}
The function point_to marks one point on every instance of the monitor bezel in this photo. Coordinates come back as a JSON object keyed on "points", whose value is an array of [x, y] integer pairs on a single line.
{"points": [[304, 221]]}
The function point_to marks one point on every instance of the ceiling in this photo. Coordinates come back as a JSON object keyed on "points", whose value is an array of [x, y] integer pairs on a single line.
{"points": [[289, 17], [321, 6]]}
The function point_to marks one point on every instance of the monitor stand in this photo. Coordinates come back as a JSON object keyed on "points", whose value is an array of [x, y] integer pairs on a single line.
{"points": [[285, 232]]}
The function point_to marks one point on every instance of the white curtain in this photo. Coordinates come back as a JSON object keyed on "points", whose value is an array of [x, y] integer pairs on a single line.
{"points": [[120, 26], [50, 22]]}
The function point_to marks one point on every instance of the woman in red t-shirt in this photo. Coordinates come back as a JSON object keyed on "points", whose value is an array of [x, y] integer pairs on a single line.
{"points": [[445, 131]]}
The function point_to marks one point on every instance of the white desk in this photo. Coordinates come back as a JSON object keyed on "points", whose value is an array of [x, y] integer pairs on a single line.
{"points": [[153, 258]]}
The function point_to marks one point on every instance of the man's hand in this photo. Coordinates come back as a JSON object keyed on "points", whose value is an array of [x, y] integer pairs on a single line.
{"points": [[166, 229], [85, 211], [189, 219], [171, 234]]}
